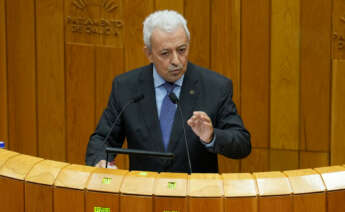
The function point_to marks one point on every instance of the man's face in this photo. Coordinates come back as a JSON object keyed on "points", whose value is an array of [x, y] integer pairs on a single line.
{"points": [[169, 52]]}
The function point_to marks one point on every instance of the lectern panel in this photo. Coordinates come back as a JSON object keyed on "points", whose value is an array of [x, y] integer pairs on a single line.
{"points": [[170, 204], [197, 204], [131, 203], [102, 201], [275, 203], [38, 198], [11, 195], [310, 202], [66, 199], [335, 201], [241, 204]]}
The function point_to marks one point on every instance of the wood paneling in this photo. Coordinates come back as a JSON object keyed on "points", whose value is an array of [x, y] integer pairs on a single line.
{"points": [[313, 159], [257, 161], [338, 33], [50, 80], [226, 165], [170, 204], [66, 199], [199, 28], [283, 160], [315, 70], [276, 203], [38, 198], [21, 61], [206, 204], [131, 203], [243, 204], [225, 55], [338, 115], [177, 5], [101, 200], [80, 99], [135, 12], [310, 202], [3, 74], [255, 72], [333, 200], [13, 198], [285, 80]]}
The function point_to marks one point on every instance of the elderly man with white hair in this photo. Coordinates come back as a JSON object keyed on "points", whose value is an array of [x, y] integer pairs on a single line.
{"points": [[170, 105]]}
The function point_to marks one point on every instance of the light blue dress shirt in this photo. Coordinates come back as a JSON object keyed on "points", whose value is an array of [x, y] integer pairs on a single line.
{"points": [[160, 91]]}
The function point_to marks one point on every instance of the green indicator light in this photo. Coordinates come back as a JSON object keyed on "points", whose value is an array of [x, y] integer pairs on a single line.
{"points": [[106, 180], [100, 209], [142, 173], [171, 185]]}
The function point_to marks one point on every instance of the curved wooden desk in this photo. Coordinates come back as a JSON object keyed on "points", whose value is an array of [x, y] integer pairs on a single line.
{"points": [[33, 184]]}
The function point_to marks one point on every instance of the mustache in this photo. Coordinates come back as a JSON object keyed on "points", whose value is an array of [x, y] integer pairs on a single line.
{"points": [[174, 67]]}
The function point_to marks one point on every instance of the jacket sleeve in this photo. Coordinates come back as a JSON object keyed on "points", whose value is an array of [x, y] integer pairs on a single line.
{"points": [[231, 137], [97, 144]]}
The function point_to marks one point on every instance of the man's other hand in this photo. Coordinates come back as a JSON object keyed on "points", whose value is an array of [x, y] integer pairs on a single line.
{"points": [[201, 125], [101, 164]]}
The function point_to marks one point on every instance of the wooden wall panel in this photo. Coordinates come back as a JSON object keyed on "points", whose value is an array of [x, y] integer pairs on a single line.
{"points": [[255, 72], [315, 74], [80, 99], [243, 204], [225, 55], [135, 12], [338, 25], [257, 161], [285, 32], [310, 202], [3, 74], [313, 159], [197, 12], [50, 80], [38, 198], [276, 203], [281, 160], [177, 5], [338, 115], [21, 61]]}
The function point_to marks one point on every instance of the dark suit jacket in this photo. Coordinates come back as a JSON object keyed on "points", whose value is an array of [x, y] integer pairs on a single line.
{"points": [[202, 90]]}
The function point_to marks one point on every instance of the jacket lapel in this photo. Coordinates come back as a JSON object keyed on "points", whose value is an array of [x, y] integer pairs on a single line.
{"points": [[148, 108], [188, 98]]}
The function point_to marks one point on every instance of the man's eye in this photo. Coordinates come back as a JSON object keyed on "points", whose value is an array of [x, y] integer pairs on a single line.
{"points": [[164, 53], [182, 50]]}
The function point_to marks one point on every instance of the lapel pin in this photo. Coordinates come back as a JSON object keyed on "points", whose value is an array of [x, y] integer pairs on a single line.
{"points": [[191, 92]]}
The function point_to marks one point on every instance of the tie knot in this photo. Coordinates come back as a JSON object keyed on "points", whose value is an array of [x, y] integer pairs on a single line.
{"points": [[169, 86]]}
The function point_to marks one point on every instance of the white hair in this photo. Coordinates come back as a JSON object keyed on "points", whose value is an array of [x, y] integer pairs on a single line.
{"points": [[167, 20]]}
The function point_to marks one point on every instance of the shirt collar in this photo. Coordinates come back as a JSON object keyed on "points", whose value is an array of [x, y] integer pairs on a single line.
{"points": [[159, 81]]}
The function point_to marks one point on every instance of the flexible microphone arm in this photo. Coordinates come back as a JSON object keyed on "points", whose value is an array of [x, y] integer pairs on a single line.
{"points": [[175, 100], [134, 100]]}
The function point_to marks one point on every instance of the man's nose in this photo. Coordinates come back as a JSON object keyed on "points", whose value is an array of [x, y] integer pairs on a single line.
{"points": [[174, 59]]}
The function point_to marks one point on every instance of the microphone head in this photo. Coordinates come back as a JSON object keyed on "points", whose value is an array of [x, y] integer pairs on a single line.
{"points": [[173, 97], [138, 98]]}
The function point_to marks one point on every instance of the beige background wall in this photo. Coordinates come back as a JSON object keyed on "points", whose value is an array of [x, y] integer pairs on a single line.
{"points": [[286, 58]]}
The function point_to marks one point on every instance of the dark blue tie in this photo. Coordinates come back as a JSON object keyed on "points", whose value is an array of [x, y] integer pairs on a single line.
{"points": [[167, 114]]}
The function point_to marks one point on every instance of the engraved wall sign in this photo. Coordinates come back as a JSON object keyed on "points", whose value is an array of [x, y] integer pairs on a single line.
{"points": [[94, 22]]}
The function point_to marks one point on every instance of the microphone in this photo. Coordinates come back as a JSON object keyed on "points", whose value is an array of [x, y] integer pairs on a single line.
{"points": [[175, 100], [134, 100]]}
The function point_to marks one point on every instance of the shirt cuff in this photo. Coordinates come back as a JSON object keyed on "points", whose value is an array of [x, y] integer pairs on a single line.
{"points": [[211, 144]]}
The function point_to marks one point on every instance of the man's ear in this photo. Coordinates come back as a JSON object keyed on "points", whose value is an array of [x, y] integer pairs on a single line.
{"points": [[148, 53]]}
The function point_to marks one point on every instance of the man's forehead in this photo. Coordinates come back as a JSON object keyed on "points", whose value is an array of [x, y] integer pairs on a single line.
{"points": [[165, 39]]}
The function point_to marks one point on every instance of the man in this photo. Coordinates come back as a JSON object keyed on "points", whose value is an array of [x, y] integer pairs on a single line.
{"points": [[152, 123]]}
